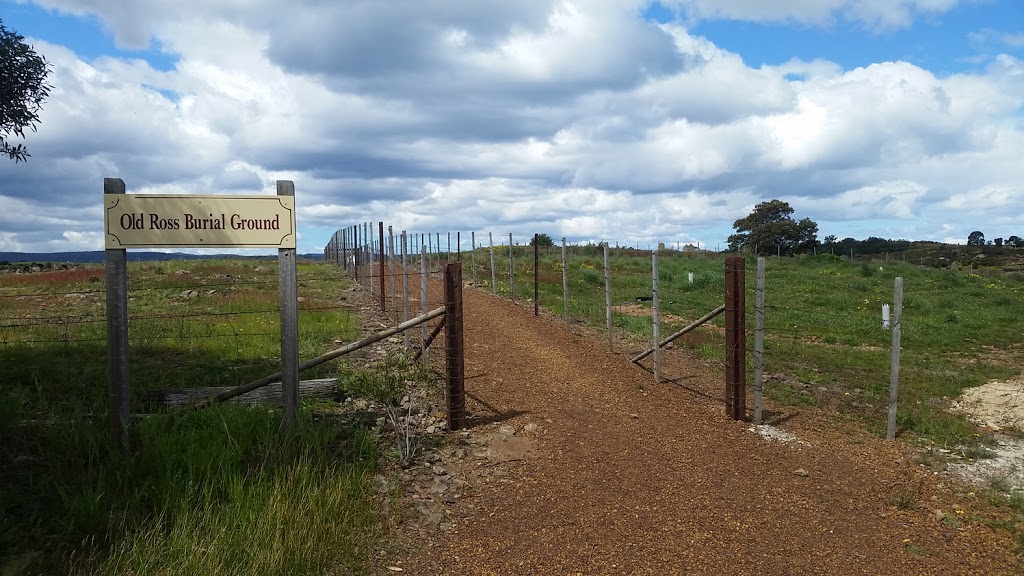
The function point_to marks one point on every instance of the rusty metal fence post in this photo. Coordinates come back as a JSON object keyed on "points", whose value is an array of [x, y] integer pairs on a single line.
{"points": [[455, 360], [735, 339]]}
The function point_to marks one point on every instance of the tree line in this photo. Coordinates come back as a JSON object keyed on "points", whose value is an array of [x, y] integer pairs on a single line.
{"points": [[771, 229]]}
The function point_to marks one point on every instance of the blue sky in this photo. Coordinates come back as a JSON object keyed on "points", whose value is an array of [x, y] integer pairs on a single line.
{"points": [[623, 120]]}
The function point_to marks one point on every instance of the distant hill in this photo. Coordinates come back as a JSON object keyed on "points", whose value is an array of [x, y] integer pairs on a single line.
{"points": [[97, 256]]}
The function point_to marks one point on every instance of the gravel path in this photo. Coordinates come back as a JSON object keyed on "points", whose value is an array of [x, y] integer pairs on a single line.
{"points": [[608, 473]]}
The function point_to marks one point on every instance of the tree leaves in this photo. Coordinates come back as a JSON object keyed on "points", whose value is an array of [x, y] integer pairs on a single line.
{"points": [[771, 229], [23, 88]]}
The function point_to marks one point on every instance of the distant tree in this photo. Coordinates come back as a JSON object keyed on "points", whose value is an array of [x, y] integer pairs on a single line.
{"points": [[807, 230], [542, 240], [771, 229], [976, 238], [23, 88], [998, 241], [1015, 241], [830, 239]]}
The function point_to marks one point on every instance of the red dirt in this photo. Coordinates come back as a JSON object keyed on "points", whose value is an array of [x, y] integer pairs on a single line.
{"points": [[631, 477]]}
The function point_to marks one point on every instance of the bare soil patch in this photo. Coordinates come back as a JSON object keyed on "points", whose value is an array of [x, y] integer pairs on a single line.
{"points": [[995, 405]]}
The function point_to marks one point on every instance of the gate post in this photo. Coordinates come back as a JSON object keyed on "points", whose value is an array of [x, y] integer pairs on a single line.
{"points": [[735, 339], [455, 360]]}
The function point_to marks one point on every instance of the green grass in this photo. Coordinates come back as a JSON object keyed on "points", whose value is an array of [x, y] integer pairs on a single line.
{"points": [[823, 324], [220, 490]]}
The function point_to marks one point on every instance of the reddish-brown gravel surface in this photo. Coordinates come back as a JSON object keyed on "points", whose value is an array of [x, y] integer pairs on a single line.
{"points": [[618, 475]]}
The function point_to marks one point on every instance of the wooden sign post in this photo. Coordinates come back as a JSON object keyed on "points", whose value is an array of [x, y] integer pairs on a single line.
{"points": [[186, 221]]}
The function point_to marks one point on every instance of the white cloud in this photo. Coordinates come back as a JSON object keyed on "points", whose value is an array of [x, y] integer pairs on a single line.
{"points": [[574, 118], [875, 14]]}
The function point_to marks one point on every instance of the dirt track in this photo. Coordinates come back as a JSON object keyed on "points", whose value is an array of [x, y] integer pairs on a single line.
{"points": [[622, 476]]}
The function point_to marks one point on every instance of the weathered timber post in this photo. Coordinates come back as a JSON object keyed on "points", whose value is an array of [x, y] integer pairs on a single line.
{"points": [[894, 361], [118, 396], [289, 294]]}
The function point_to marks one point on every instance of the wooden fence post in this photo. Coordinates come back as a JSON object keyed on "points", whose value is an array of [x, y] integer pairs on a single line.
{"points": [[289, 294], [118, 395], [607, 296], [759, 343], [894, 361], [455, 361], [494, 280], [565, 287], [735, 339]]}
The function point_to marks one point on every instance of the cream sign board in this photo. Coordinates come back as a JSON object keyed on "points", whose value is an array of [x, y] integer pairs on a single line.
{"points": [[165, 221]]}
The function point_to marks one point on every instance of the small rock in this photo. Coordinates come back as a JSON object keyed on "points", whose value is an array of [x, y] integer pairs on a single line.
{"points": [[507, 430], [439, 486], [939, 515], [634, 415], [801, 473], [181, 272], [530, 428], [440, 470], [190, 294]]}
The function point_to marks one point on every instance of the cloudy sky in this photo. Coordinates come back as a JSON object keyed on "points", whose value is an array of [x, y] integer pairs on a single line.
{"points": [[626, 120]]}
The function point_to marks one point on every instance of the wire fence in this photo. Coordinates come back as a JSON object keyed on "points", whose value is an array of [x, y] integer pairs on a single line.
{"points": [[191, 323], [824, 342]]}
